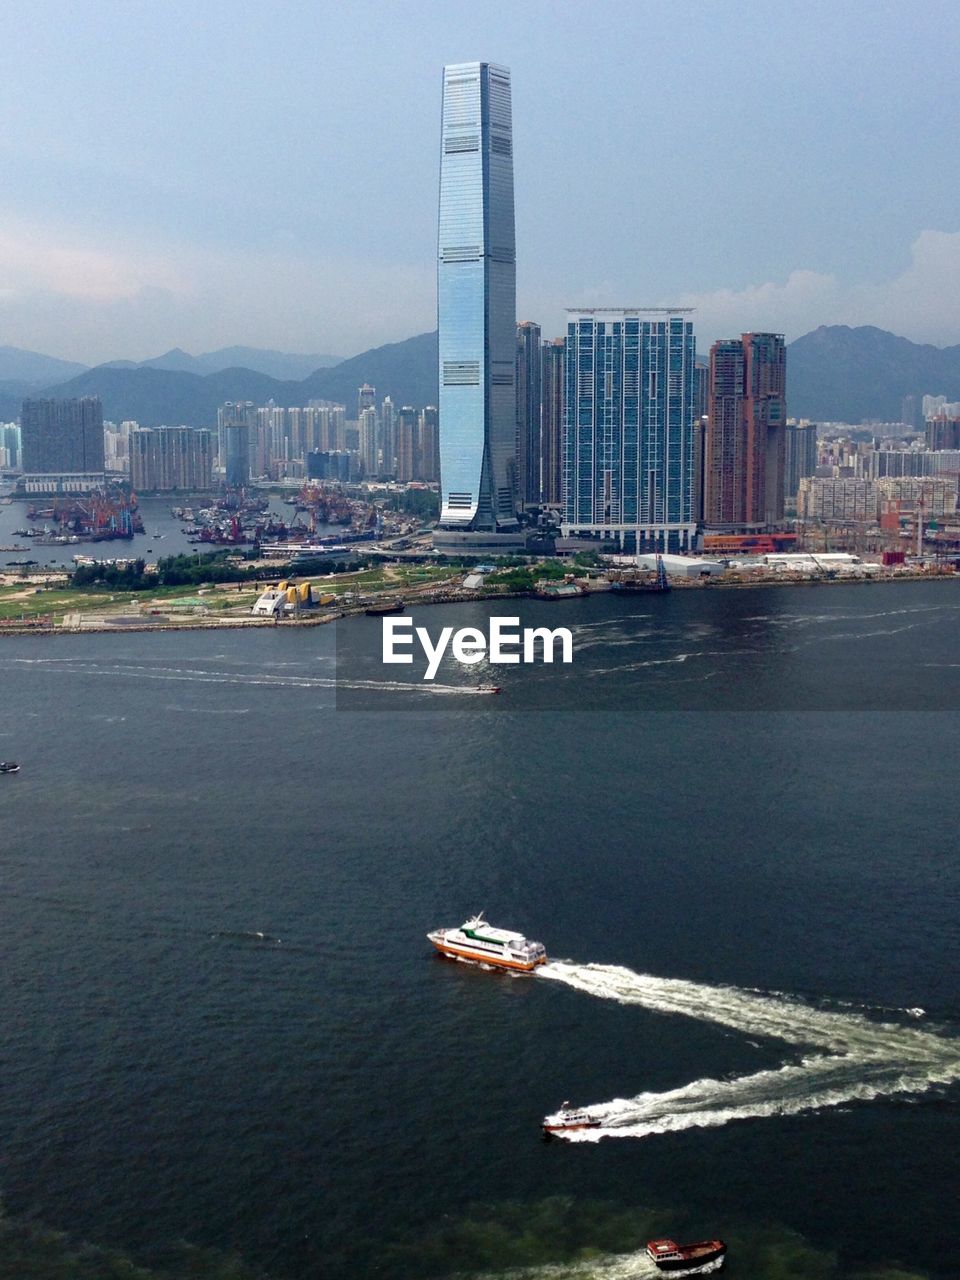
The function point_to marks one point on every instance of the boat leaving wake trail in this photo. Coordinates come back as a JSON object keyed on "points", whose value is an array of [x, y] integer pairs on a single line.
{"points": [[856, 1059], [611, 1266]]}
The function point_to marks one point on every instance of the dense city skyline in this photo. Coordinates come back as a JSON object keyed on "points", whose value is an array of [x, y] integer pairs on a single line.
{"points": [[298, 214]]}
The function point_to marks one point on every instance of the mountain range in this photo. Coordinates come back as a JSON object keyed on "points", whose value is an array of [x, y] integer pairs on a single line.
{"points": [[29, 368], [153, 394], [276, 364], [834, 374]]}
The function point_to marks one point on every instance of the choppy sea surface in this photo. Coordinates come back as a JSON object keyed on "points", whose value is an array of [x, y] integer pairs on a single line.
{"points": [[222, 1021]]}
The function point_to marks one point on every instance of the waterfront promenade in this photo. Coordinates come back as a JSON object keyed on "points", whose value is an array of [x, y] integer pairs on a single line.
{"points": [[33, 610]]}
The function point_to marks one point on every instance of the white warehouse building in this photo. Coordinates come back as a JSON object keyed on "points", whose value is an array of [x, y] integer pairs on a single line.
{"points": [[681, 566]]}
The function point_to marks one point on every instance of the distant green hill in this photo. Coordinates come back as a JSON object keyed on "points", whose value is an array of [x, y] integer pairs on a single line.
{"points": [[839, 374], [276, 364], [406, 371], [163, 397], [31, 367]]}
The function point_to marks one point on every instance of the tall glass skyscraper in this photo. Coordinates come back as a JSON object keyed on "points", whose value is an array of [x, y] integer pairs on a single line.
{"points": [[476, 300], [628, 427]]}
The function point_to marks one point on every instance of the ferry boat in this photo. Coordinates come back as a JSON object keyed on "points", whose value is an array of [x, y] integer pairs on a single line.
{"points": [[670, 1256], [569, 1119], [477, 940]]}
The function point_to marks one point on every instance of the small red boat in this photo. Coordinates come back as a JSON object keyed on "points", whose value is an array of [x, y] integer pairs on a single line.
{"points": [[670, 1256]]}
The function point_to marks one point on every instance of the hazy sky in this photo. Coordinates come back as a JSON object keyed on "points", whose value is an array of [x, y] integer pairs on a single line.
{"points": [[205, 173]]}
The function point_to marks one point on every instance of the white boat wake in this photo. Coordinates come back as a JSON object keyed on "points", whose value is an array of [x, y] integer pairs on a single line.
{"points": [[855, 1059], [611, 1266]]}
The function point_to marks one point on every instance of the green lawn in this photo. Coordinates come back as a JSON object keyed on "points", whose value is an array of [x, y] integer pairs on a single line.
{"points": [[58, 601]]}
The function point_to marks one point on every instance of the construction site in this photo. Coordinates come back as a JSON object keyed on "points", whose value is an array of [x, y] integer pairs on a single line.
{"points": [[889, 518]]}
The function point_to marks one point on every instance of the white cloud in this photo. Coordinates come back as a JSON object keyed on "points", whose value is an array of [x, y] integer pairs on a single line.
{"points": [[805, 300], [62, 294], [99, 302], [36, 261], [922, 303]]}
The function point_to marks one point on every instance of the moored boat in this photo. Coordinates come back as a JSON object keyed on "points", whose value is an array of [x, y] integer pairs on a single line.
{"points": [[381, 610], [670, 1256], [569, 1119], [479, 941], [658, 582], [564, 590], [639, 586]]}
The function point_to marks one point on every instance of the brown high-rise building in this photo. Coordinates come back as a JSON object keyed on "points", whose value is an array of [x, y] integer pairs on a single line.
{"points": [[551, 422], [725, 471], [744, 447]]}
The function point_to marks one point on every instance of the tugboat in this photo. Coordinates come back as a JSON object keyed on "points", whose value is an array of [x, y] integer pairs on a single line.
{"points": [[569, 1119], [670, 1256], [476, 940], [9, 766]]}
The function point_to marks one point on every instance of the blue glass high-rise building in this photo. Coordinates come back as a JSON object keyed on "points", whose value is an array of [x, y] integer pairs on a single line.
{"points": [[476, 300], [628, 427]]}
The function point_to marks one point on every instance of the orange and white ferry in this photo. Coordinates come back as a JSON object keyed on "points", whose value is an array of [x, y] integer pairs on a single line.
{"points": [[476, 940]]}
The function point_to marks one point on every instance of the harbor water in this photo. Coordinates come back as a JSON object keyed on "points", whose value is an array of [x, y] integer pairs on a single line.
{"points": [[158, 519], [223, 1022]]}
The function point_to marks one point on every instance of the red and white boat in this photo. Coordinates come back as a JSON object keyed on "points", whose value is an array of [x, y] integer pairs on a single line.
{"points": [[568, 1120], [670, 1256], [481, 942]]}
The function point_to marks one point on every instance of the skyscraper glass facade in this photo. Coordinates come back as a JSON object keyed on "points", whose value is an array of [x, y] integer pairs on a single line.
{"points": [[476, 300], [628, 431]]}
